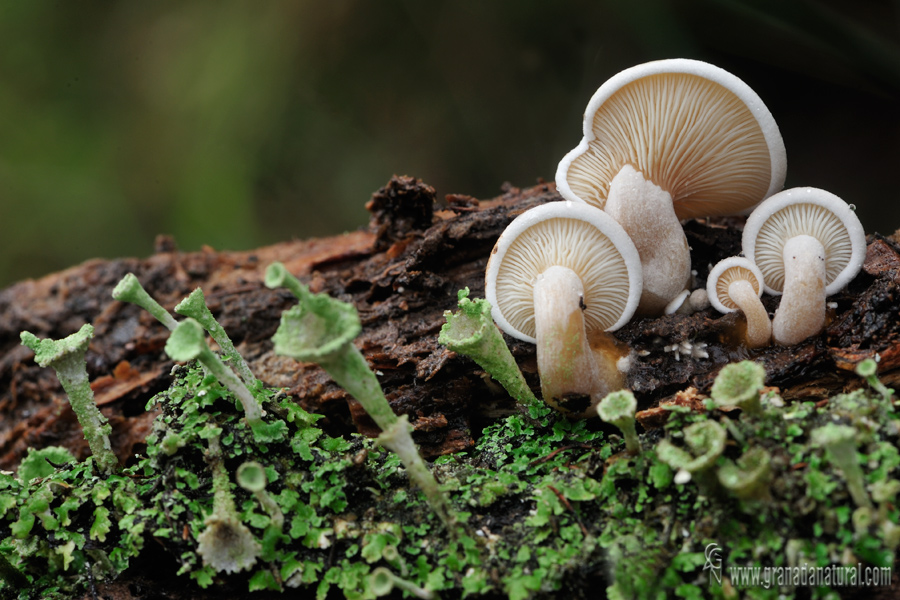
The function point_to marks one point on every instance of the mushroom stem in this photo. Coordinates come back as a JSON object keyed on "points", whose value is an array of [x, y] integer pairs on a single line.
{"points": [[646, 212], [570, 377], [759, 327], [801, 313]]}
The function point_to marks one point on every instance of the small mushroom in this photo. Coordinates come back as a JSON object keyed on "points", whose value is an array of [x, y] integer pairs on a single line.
{"points": [[671, 140], [808, 244], [736, 283], [560, 274]]}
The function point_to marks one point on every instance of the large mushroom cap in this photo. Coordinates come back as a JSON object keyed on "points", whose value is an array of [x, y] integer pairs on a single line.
{"points": [[572, 235], [692, 128], [726, 272], [805, 211]]}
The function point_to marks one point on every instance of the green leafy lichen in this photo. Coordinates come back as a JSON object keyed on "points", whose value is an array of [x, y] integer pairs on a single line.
{"points": [[551, 507]]}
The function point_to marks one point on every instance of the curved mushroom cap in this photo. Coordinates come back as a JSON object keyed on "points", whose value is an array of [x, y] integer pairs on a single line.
{"points": [[572, 235], [724, 274], [692, 128], [805, 211]]}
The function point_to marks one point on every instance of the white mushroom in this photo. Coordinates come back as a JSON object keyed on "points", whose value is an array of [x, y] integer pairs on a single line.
{"points": [[671, 140], [809, 244], [559, 273], [736, 283]]}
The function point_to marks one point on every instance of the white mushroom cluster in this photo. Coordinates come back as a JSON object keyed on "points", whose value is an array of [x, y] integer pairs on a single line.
{"points": [[662, 142], [670, 140]]}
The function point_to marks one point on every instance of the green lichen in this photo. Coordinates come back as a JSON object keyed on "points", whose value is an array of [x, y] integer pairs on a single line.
{"points": [[618, 408], [470, 331], [129, 289], [66, 525], [225, 544], [840, 444], [704, 443], [194, 307], [739, 384], [552, 510], [188, 342], [321, 329], [868, 370], [66, 357], [749, 477], [558, 511]]}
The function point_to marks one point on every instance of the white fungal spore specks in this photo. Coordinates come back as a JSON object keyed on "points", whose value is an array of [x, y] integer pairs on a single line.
{"points": [[687, 349]]}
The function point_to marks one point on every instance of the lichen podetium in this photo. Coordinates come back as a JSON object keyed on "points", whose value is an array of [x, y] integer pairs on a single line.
{"points": [[321, 329], [470, 331], [66, 356]]}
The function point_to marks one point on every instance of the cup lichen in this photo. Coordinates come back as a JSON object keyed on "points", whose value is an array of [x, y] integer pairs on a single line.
{"points": [[868, 370], [618, 408], [749, 477], [739, 384], [321, 329], [382, 582], [188, 342], [226, 544], [129, 289], [252, 477], [66, 357], [839, 442], [194, 306], [705, 442], [471, 331]]}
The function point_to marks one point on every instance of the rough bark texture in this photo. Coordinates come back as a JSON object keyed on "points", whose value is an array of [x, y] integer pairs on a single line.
{"points": [[401, 274]]}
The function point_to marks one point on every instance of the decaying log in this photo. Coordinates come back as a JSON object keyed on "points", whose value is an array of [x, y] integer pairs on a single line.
{"points": [[401, 274]]}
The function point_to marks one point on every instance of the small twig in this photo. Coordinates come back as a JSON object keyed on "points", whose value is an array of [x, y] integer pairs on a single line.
{"points": [[550, 456], [566, 503]]}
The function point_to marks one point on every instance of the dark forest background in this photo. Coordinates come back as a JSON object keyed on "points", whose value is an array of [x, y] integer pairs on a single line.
{"points": [[238, 124]]}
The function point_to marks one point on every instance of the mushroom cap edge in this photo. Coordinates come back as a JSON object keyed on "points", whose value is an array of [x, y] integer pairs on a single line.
{"points": [[579, 211], [721, 267], [767, 124], [817, 197]]}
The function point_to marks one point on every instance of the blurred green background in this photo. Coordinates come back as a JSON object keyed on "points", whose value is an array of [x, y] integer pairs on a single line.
{"points": [[238, 124]]}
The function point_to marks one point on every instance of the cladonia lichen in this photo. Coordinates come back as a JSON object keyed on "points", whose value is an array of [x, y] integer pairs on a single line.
{"points": [[551, 508]]}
